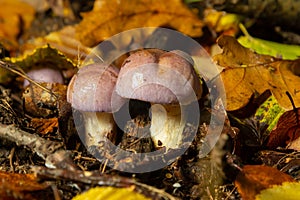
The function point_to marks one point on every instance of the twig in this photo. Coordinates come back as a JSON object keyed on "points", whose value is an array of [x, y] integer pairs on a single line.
{"points": [[96, 178], [51, 151], [8, 67], [11, 156]]}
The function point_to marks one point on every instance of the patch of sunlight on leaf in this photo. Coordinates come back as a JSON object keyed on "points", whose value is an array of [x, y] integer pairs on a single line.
{"points": [[110, 17], [221, 21], [269, 112], [286, 191], [110, 193]]}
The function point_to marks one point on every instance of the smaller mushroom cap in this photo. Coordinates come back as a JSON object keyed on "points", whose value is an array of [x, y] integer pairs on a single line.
{"points": [[93, 88], [159, 77], [48, 75]]}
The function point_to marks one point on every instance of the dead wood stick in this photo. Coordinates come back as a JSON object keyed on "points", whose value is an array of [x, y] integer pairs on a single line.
{"points": [[51, 151], [96, 178]]}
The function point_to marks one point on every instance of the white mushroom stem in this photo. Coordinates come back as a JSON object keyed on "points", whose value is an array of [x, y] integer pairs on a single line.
{"points": [[167, 124], [99, 126]]}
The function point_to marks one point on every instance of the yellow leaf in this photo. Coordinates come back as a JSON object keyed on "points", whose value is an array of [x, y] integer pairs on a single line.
{"points": [[221, 21], [286, 191], [110, 193], [110, 17], [247, 73], [255, 178]]}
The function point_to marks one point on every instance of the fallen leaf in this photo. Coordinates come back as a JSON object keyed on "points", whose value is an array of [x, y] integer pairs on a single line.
{"points": [[255, 178], [17, 186], [44, 126], [111, 193], [287, 131], [63, 40], [284, 51], [110, 17], [15, 17], [41, 103], [286, 191], [247, 73], [268, 114], [45, 56]]}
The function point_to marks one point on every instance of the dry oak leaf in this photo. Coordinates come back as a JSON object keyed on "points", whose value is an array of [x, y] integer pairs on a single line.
{"points": [[255, 178], [247, 73], [110, 17]]}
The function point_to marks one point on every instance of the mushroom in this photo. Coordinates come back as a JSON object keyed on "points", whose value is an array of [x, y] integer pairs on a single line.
{"points": [[47, 74], [90, 91], [167, 80]]}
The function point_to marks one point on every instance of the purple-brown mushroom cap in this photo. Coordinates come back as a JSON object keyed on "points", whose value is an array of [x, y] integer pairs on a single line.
{"points": [[92, 89], [159, 77], [48, 75]]}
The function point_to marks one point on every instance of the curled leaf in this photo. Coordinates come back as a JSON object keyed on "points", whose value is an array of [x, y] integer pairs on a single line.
{"points": [[287, 131], [41, 57], [45, 56]]}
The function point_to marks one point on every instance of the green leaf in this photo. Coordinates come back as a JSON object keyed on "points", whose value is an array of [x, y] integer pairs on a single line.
{"points": [[286, 191], [110, 193], [284, 51]]}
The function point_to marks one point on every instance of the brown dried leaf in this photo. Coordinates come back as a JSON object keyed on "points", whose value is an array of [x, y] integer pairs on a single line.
{"points": [[44, 126], [287, 131], [255, 178], [41, 103], [110, 17], [17, 186], [247, 73]]}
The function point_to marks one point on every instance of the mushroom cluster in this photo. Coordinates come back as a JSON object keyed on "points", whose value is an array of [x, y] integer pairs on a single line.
{"points": [[165, 79]]}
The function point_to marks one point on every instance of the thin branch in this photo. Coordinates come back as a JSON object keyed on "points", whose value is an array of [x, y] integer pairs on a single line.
{"points": [[51, 151], [8, 67], [96, 178]]}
